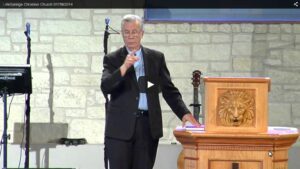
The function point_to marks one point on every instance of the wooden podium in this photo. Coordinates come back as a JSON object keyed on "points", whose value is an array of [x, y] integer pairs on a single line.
{"points": [[236, 135]]}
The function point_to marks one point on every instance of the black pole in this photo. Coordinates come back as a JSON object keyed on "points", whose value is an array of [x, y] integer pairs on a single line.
{"points": [[4, 136], [27, 102], [106, 34]]}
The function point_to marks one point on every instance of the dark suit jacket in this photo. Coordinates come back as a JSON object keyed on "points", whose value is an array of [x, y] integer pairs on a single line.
{"points": [[124, 93]]}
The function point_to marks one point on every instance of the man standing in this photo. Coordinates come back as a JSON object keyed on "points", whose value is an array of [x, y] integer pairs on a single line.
{"points": [[134, 76]]}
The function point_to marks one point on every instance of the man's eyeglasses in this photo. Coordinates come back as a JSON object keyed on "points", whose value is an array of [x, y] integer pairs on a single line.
{"points": [[133, 33]]}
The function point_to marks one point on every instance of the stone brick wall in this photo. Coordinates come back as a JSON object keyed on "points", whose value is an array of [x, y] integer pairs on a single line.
{"points": [[67, 53]]}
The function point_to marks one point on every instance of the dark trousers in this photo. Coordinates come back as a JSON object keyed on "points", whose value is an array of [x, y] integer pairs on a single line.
{"points": [[136, 153]]}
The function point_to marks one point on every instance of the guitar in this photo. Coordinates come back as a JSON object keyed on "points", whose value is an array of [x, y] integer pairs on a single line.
{"points": [[196, 82]]}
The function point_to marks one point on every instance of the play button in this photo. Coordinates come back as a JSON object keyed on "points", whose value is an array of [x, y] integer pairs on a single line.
{"points": [[149, 84]]}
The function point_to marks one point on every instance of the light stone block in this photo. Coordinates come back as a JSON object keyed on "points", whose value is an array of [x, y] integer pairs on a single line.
{"points": [[16, 48], [274, 28], [261, 28], [297, 38], [14, 20], [91, 130], [188, 38], [16, 114], [61, 77], [46, 39], [5, 44], [296, 28], [2, 12], [291, 87], [12, 59], [96, 112], [211, 27], [174, 52], [187, 69], [41, 100], [225, 28], [96, 65], [85, 80], [122, 11], [220, 66], [84, 14], [40, 115], [259, 37], [295, 110], [276, 93], [236, 28], [283, 76], [291, 96], [75, 113], [154, 38], [70, 97], [247, 27], [46, 13], [40, 80], [242, 38], [272, 62], [242, 49], [101, 11], [91, 97], [287, 37], [77, 44], [197, 27], [275, 54], [115, 39], [2, 27], [291, 58], [65, 27], [259, 49], [280, 44], [149, 28], [184, 27], [172, 28], [161, 28], [279, 114], [242, 64], [221, 38], [184, 85], [212, 52], [39, 48], [239, 74], [273, 37], [286, 28], [68, 60]]}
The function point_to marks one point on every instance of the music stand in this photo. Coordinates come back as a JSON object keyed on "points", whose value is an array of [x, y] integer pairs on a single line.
{"points": [[14, 79]]}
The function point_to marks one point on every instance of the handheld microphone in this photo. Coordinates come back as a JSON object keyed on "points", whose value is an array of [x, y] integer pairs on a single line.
{"points": [[107, 20], [27, 32]]}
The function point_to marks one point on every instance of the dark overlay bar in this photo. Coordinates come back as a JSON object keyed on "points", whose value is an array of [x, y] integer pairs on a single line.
{"points": [[150, 4]]}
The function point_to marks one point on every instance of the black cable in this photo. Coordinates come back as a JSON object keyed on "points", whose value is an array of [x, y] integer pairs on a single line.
{"points": [[22, 141], [10, 106]]}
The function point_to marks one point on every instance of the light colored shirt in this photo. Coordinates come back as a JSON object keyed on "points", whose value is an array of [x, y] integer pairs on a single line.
{"points": [[140, 71]]}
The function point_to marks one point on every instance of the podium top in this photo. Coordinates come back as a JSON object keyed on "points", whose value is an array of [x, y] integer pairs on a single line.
{"points": [[239, 80]]}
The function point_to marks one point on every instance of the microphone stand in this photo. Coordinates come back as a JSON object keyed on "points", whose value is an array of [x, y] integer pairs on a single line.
{"points": [[27, 102], [106, 35], [4, 136]]}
